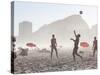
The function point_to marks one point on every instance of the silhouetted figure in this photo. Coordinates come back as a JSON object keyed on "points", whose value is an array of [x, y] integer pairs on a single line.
{"points": [[13, 54], [53, 46], [75, 49], [94, 46]]}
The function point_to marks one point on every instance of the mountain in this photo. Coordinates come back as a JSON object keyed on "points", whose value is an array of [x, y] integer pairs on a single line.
{"points": [[63, 30], [93, 31]]}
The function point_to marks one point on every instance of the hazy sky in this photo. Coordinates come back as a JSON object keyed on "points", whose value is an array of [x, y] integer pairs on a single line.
{"points": [[44, 13]]}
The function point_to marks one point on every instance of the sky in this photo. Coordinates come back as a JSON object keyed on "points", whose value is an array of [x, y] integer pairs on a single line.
{"points": [[45, 13]]}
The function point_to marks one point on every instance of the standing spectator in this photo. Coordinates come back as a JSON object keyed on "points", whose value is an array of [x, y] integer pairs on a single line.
{"points": [[94, 46], [53, 46]]}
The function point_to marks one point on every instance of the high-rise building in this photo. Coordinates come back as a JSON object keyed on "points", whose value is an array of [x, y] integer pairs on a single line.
{"points": [[25, 33], [25, 29]]}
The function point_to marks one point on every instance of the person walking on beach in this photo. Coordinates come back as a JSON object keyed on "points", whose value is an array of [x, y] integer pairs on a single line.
{"points": [[53, 46], [94, 46], [76, 43]]}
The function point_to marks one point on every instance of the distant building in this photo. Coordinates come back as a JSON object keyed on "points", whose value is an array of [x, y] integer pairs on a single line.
{"points": [[25, 29], [25, 33]]}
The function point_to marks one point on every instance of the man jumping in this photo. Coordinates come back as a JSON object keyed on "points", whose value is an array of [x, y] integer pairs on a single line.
{"points": [[76, 42]]}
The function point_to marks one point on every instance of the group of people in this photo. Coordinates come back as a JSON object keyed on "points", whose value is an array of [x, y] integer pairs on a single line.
{"points": [[75, 49], [54, 46]]}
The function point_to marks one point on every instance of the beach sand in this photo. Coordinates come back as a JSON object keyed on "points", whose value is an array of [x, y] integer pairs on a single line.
{"points": [[41, 62]]}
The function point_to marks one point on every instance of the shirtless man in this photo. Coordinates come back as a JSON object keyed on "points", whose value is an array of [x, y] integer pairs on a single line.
{"points": [[53, 46], [94, 46], [76, 43]]}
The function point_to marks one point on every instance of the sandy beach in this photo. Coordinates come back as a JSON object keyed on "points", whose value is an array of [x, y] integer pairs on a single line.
{"points": [[40, 61]]}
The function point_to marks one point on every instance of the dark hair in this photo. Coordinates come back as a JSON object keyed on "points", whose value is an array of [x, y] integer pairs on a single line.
{"points": [[79, 35], [53, 35], [95, 37]]}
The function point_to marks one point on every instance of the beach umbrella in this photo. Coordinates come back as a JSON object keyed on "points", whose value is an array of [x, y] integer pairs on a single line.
{"points": [[31, 45], [84, 44]]}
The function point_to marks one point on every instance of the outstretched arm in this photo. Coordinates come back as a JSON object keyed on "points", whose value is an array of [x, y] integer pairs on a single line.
{"points": [[72, 39], [74, 33]]}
